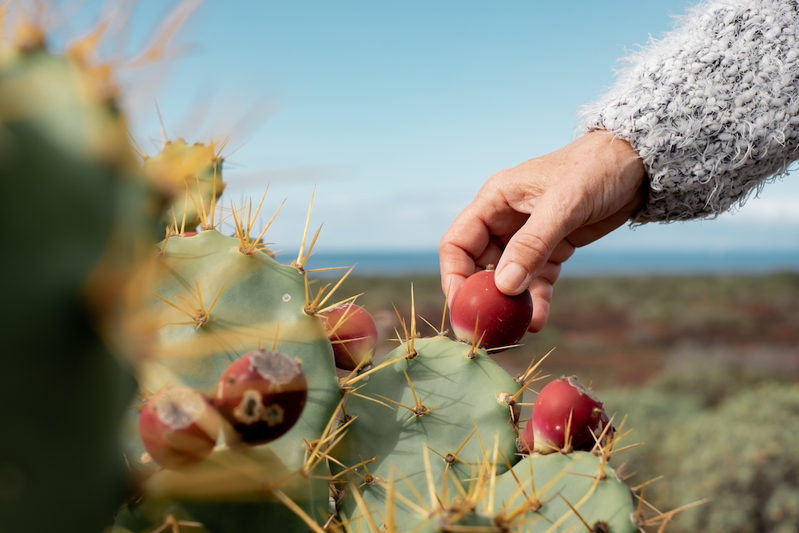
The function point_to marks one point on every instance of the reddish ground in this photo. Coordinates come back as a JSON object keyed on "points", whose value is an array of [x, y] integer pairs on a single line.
{"points": [[612, 331]]}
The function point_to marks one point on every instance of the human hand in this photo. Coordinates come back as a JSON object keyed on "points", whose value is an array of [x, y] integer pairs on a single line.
{"points": [[527, 220]]}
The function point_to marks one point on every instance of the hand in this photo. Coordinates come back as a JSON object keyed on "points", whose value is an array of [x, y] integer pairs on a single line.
{"points": [[527, 220]]}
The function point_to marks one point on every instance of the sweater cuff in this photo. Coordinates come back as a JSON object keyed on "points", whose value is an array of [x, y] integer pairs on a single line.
{"points": [[712, 109]]}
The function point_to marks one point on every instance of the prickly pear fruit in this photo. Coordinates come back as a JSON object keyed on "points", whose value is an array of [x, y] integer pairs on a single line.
{"points": [[179, 427], [526, 440], [482, 314], [262, 395], [565, 414], [353, 333]]}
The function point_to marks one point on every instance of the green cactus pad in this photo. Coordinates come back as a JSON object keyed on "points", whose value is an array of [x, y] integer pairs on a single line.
{"points": [[462, 393], [572, 478], [68, 173], [232, 491], [247, 300], [510, 502], [256, 299]]}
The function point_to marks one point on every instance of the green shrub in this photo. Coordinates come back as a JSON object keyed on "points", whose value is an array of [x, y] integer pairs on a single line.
{"points": [[735, 445]]}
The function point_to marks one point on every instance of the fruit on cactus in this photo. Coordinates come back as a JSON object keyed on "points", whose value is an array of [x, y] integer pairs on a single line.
{"points": [[565, 414], [526, 440], [481, 314], [179, 427], [240, 299], [437, 401], [262, 301], [353, 333], [262, 395]]}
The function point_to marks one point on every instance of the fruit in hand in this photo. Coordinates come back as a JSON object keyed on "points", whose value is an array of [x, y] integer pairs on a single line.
{"points": [[481, 314]]}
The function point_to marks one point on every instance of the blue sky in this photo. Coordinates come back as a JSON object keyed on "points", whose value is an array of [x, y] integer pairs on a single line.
{"points": [[398, 111]]}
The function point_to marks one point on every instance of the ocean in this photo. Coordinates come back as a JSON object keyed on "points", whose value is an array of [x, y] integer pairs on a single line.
{"points": [[584, 263]]}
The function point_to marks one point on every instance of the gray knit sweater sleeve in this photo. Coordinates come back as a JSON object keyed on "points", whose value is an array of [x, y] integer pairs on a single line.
{"points": [[712, 108]]}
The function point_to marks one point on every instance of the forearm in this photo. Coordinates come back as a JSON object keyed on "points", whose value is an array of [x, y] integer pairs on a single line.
{"points": [[712, 109]]}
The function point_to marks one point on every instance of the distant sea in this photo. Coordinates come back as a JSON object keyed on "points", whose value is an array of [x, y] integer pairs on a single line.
{"points": [[584, 263]]}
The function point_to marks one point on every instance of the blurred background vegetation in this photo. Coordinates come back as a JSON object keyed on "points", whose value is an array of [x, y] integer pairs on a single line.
{"points": [[706, 370]]}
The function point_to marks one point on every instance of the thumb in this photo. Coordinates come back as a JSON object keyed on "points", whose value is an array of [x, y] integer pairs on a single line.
{"points": [[530, 248]]}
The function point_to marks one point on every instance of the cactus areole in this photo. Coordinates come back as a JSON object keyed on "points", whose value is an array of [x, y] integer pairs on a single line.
{"points": [[178, 427], [262, 395], [481, 314], [561, 401], [353, 333]]}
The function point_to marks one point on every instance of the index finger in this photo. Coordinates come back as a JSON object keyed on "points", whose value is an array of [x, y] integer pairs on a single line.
{"points": [[467, 238]]}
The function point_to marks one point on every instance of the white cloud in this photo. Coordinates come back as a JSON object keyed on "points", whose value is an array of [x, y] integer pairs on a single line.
{"points": [[782, 210]]}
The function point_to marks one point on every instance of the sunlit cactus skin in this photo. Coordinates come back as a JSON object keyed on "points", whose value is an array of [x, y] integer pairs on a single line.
{"points": [[456, 394], [580, 479], [511, 503], [247, 299], [460, 442], [213, 303], [229, 494], [190, 177]]}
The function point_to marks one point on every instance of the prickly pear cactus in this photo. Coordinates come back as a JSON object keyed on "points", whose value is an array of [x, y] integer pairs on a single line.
{"points": [[232, 491], [431, 444], [425, 440], [213, 302], [76, 211], [430, 396], [190, 177], [428, 439], [214, 299], [557, 492]]}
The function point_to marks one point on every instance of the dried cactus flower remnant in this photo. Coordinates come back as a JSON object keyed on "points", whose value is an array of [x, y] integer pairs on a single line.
{"points": [[179, 427], [262, 395]]}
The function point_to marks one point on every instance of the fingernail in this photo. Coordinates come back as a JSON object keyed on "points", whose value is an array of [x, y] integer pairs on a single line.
{"points": [[512, 277]]}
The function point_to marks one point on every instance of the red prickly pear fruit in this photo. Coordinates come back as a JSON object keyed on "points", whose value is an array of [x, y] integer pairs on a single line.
{"points": [[179, 427], [353, 333], [501, 320], [188, 234], [526, 440], [560, 400], [262, 395]]}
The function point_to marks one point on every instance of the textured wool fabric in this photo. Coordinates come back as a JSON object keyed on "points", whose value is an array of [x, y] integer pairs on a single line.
{"points": [[712, 108]]}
